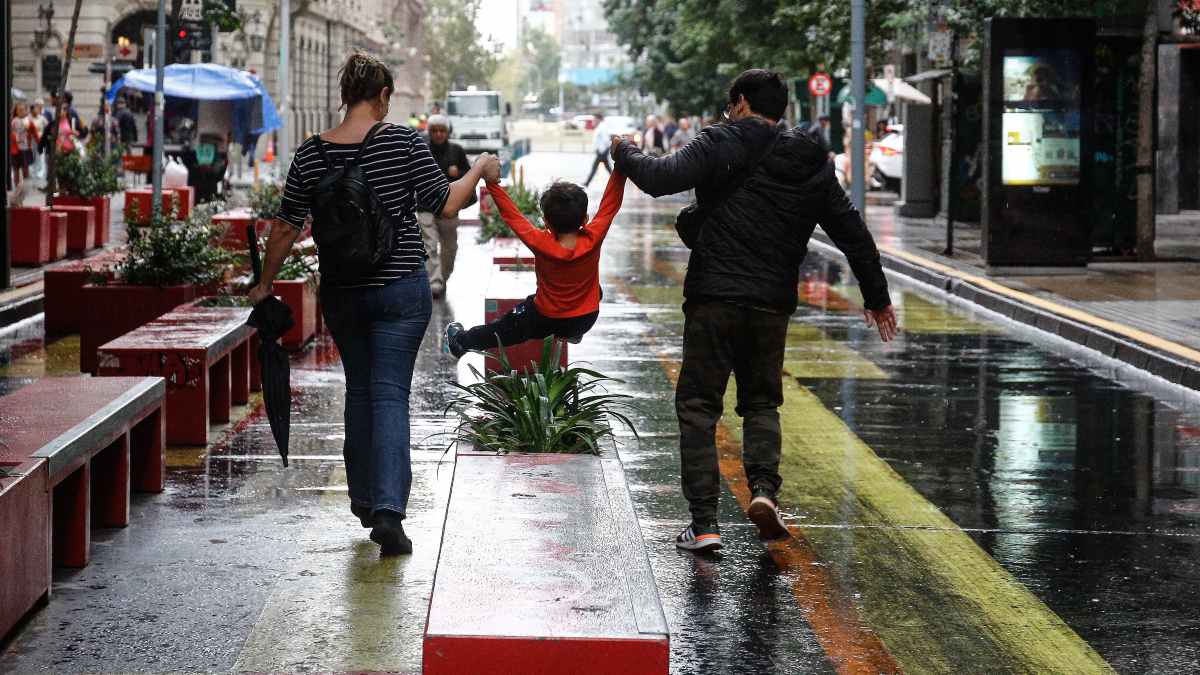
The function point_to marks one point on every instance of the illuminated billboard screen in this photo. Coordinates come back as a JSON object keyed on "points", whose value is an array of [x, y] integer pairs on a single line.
{"points": [[1041, 117]]}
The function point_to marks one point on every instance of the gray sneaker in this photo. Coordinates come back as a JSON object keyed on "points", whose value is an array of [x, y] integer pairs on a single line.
{"points": [[699, 538], [764, 512]]}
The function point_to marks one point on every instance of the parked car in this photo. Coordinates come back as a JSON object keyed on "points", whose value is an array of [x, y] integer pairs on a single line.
{"points": [[624, 126], [887, 156]]}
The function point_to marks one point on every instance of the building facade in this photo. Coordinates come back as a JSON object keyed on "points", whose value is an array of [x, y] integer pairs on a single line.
{"points": [[323, 33]]}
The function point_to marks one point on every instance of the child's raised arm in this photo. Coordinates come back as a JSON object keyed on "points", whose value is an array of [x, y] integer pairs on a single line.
{"points": [[610, 204], [524, 229]]}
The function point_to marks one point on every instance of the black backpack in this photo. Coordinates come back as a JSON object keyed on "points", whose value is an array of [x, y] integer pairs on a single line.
{"points": [[352, 229]]}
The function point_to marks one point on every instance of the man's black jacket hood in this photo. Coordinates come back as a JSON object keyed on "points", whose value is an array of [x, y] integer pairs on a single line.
{"points": [[753, 242]]}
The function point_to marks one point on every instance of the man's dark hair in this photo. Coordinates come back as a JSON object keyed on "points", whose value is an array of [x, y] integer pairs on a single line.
{"points": [[69, 97], [823, 118], [564, 206], [764, 90]]}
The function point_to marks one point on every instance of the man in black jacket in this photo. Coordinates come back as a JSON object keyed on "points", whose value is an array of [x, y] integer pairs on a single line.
{"points": [[441, 234], [740, 289]]}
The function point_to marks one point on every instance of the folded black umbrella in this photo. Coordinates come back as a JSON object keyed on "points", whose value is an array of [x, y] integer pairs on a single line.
{"points": [[272, 318]]}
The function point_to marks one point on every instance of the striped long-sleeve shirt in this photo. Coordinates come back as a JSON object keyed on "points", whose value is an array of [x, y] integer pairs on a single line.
{"points": [[404, 175]]}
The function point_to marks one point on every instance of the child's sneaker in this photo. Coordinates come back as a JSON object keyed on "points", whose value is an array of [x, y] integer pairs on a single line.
{"points": [[450, 343], [699, 538], [764, 512]]}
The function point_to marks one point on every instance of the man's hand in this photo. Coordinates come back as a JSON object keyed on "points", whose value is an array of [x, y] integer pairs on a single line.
{"points": [[452, 172], [613, 143], [489, 166], [883, 319], [259, 293]]}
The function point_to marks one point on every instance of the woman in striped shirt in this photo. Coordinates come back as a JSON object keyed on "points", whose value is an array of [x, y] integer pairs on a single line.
{"points": [[378, 320]]}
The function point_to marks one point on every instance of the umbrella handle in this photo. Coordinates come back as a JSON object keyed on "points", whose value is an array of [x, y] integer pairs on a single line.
{"points": [[255, 262]]}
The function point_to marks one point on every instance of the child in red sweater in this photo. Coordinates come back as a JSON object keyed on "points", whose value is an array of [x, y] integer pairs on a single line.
{"points": [[567, 263]]}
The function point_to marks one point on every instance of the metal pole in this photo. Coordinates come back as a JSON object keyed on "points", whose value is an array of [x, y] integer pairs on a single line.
{"points": [[103, 100], [285, 89], [5, 262], [858, 91], [160, 58], [952, 144]]}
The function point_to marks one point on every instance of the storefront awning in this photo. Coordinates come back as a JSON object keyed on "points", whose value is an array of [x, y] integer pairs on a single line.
{"points": [[902, 91]]}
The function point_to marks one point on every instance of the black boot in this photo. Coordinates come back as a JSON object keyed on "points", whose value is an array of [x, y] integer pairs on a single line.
{"points": [[389, 533], [364, 515]]}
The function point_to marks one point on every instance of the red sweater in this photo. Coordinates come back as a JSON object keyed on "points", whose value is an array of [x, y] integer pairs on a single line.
{"points": [[568, 280]]}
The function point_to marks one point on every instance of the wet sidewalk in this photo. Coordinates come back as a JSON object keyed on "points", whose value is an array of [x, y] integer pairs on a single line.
{"points": [[1140, 313], [973, 497]]}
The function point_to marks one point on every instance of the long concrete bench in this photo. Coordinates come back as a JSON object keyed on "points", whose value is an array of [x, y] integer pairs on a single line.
{"points": [[543, 569], [206, 355], [76, 447]]}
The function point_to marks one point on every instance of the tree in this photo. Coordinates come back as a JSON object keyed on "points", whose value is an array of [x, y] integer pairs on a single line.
{"points": [[457, 55], [545, 59]]}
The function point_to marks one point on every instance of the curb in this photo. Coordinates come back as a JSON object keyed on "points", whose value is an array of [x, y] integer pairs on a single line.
{"points": [[21, 309], [1090, 334]]}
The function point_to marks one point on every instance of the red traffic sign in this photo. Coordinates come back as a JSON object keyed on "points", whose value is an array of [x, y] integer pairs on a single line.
{"points": [[820, 84]]}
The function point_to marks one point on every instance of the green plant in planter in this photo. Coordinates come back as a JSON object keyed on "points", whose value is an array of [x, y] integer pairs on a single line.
{"points": [[493, 226], [547, 408], [95, 174], [168, 252], [265, 199]]}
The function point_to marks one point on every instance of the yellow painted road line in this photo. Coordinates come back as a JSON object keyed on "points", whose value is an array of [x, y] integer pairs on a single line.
{"points": [[851, 645], [938, 602], [811, 354], [1053, 307]]}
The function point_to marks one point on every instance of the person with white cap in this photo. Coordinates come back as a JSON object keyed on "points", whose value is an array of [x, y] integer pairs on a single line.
{"points": [[440, 233]]}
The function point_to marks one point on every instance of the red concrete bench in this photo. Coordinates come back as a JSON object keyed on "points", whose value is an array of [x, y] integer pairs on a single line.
{"points": [[506, 289], [30, 235], [58, 235], [511, 251], [112, 310], [543, 569], [81, 227], [81, 444], [103, 206], [206, 355], [63, 288]]}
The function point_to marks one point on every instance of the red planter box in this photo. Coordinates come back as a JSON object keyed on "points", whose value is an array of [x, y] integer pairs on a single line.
{"points": [[81, 227], [112, 310], [505, 290], [25, 525], [187, 200], [30, 235], [103, 206], [511, 251], [301, 296], [63, 288], [58, 235], [139, 200], [235, 223]]}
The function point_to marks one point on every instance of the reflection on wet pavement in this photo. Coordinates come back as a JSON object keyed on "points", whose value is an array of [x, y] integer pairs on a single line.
{"points": [[966, 500]]}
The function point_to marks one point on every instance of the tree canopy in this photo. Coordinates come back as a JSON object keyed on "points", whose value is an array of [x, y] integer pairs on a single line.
{"points": [[457, 54]]}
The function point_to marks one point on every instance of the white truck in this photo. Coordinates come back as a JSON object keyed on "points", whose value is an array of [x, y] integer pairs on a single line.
{"points": [[477, 120]]}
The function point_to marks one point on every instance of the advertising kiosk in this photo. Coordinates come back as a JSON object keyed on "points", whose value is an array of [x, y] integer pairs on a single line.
{"points": [[1036, 153]]}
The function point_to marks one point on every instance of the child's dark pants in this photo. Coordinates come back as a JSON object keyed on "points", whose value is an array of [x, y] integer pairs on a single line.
{"points": [[522, 323]]}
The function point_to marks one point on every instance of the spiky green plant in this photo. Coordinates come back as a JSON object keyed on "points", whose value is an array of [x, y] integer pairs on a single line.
{"points": [[544, 408]]}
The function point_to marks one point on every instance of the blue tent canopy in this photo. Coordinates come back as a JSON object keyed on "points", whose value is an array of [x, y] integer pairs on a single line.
{"points": [[207, 82]]}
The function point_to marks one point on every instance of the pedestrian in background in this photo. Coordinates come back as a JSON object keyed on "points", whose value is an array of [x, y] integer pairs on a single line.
{"points": [[653, 141], [19, 125], [37, 115], [683, 135], [379, 319], [439, 232], [600, 146], [126, 123], [761, 192]]}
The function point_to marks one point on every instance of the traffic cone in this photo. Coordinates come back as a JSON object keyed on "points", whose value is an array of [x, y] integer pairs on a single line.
{"points": [[270, 156]]}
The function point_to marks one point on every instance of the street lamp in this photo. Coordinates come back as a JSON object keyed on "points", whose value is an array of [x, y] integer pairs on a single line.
{"points": [[254, 31], [42, 37]]}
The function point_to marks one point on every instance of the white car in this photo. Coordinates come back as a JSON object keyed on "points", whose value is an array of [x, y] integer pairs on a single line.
{"points": [[887, 156], [622, 125]]}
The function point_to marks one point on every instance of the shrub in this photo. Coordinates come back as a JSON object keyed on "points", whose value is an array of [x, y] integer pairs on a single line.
{"points": [[265, 198], [168, 252], [92, 175], [546, 408], [526, 199]]}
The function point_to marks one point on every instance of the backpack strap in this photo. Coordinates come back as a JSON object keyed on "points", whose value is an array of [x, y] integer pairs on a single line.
{"points": [[369, 137], [321, 150]]}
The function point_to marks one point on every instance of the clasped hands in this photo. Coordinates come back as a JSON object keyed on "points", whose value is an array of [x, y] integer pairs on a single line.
{"points": [[489, 167]]}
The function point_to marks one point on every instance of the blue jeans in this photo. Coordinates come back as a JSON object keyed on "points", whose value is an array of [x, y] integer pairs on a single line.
{"points": [[378, 332]]}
